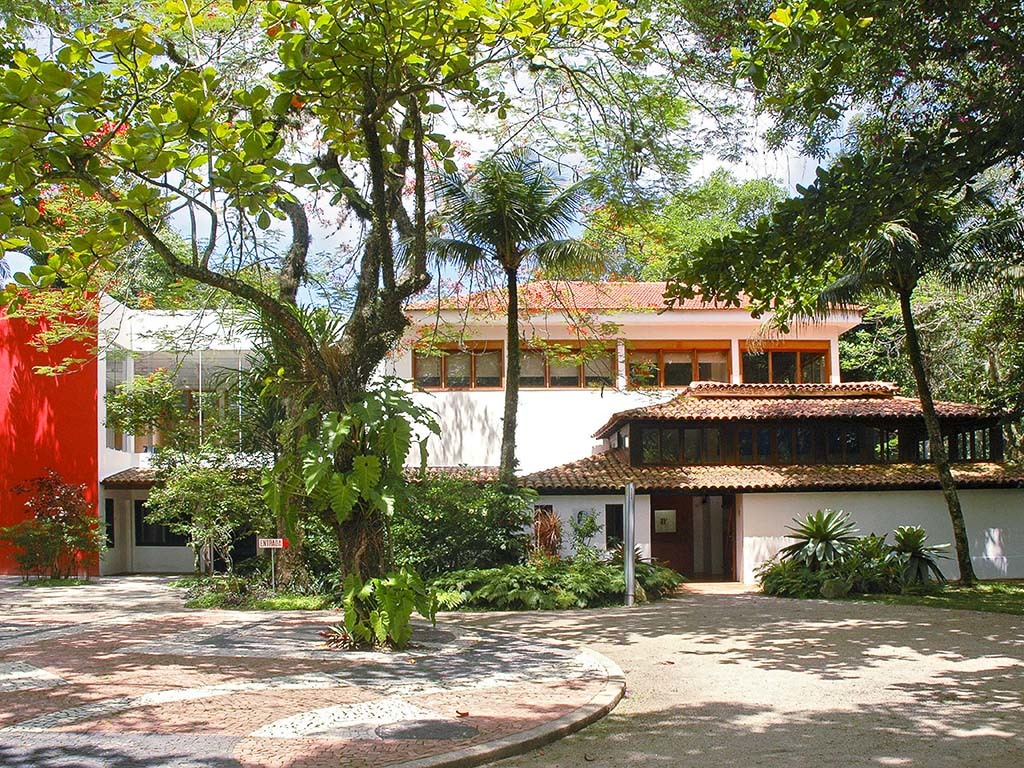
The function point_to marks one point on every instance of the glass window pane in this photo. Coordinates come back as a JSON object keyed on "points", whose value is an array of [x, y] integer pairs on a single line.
{"points": [[531, 369], [600, 371], [834, 444], [745, 445], [764, 445], [812, 367], [713, 446], [643, 369], [428, 370], [488, 369], [713, 366], [804, 445], [784, 445], [755, 367], [678, 368], [650, 450], [458, 369], [783, 367], [564, 373], [670, 446], [851, 438], [691, 446]]}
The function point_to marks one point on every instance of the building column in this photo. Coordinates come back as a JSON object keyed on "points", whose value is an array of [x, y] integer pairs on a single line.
{"points": [[620, 364], [833, 362], [735, 374]]}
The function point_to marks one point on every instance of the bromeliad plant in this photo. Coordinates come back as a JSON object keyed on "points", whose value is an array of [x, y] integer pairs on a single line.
{"points": [[917, 560], [822, 538]]}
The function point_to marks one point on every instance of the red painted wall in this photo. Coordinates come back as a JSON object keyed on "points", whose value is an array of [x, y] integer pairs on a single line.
{"points": [[45, 421]]}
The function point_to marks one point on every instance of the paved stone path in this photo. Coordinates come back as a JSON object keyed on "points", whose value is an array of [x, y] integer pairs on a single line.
{"points": [[118, 674], [723, 680]]}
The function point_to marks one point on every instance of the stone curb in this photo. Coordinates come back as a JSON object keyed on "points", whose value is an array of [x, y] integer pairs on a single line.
{"points": [[516, 744]]}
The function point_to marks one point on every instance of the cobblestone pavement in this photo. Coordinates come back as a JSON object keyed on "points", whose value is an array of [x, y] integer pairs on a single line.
{"points": [[118, 674]]}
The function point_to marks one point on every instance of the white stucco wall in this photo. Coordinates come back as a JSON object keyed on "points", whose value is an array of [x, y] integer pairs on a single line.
{"points": [[568, 507], [995, 523], [127, 557]]}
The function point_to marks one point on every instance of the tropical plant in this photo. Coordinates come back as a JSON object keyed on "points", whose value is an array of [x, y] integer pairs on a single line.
{"points": [[378, 611], [373, 437], [954, 235], [547, 531], [511, 214], [868, 567], [822, 538], [451, 522], [918, 562], [788, 578]]}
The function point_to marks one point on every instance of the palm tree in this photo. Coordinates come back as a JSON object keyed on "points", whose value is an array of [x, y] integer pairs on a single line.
{"points": [[510, 213], [957, 237]]}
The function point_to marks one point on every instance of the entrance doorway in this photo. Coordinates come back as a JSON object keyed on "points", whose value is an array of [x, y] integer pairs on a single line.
{"points": [[695, 535]]}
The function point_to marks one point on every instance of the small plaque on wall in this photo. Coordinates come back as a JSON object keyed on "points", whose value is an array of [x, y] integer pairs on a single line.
{"points": [[664, 521]]}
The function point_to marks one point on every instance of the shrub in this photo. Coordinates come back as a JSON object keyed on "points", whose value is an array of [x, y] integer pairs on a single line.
{"points": [[378, 611], [450, 523], [547, 531], [61, 536], [868, 567], [918, 562], [551, 582], [789, 578], [822, 538]]}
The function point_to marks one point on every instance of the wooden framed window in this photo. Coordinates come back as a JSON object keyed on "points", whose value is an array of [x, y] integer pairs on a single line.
{"points": [[154, 535], [538, 370], [680, 445], [785, 366], [108, 522], [478, 367], [677, 365]]}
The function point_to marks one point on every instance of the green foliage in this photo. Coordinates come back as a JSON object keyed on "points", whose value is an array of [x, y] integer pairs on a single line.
{"points": [[868, 565], [146, 403], [789, 578], [917, 561], [545, 583], [452, 522], [62, 535], [374, 434], [989, 596], [209, 499], [822, 538], [378, 611], [248, 594], [645, 243]]}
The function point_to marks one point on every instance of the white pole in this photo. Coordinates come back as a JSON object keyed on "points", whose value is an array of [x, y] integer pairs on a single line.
{"points": [[629, 545], [273, 572]]}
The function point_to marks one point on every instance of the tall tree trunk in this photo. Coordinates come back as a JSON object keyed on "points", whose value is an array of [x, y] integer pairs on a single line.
{"points": [[940, 457], [507, 468]]}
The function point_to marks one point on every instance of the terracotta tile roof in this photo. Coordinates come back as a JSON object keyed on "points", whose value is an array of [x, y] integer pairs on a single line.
{"points": [[548, 295], [760, 402], [134, 479], [610, 471]]}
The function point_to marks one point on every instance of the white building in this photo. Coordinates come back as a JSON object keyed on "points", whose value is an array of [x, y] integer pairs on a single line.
{"points": [[728, 433]]}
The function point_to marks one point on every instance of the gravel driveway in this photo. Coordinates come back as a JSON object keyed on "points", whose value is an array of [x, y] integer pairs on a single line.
{"points": [[744, 680]]}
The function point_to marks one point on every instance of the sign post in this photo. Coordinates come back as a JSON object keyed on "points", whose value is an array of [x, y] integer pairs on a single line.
{"points": [[629, 545], [273, 545]]}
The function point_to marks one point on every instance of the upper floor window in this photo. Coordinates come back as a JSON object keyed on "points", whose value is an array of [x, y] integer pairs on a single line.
{"points": [[785, 366], [474, 368], [538, 369], [680, 445], [676, 367]]}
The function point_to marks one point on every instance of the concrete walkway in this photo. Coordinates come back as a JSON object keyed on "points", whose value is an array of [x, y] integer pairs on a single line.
{"points": [[118, 675], [716, 680]]}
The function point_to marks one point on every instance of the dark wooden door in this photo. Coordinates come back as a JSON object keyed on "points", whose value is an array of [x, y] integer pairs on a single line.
{"points": [[672, 532]]}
